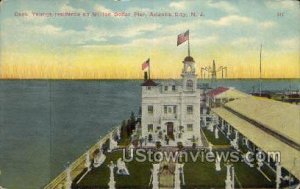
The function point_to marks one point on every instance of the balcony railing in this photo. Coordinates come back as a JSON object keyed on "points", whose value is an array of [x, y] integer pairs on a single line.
{"points": [[169, 116]]}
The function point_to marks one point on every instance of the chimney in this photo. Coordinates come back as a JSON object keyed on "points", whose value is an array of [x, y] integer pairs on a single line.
{"points": [[145, 76]]}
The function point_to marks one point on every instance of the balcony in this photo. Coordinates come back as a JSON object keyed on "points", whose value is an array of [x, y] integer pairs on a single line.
{"points": [[169, 116]]}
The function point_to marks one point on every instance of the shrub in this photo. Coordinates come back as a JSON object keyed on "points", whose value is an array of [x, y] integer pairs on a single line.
{"points": [[158, 144], [180, 145]]}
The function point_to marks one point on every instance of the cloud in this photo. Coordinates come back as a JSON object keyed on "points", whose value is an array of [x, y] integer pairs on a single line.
{"points": [[101, 8], [151, 41], [67, 8], [267, 24], [181, 27], [208, 40], [126, 33], [138, 9], [30, 19], [136, 30], [230, 20], [137, 42], [30, 24], [47, 29], [244, 41], [93, 36], [42, 33], [224, 6], [289, 43], [56, 34], [283, 4], [178, 5], [163, 40]]}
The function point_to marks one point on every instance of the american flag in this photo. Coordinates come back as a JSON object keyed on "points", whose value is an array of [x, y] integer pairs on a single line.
{"points": [[146, 64], [182, 37]]}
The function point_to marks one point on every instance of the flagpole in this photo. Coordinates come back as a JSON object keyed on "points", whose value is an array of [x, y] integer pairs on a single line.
{"points": [[189, 53], [149, 68], [260, 70]]}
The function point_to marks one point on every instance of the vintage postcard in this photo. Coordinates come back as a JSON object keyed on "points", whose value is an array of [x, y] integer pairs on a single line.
{"points": [[149, 94]]}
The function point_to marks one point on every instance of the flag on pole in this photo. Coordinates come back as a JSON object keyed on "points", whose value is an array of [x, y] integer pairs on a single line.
{"points": [[146, 64], [182, 37]]}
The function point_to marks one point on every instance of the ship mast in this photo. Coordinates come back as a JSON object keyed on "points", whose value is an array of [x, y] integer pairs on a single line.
{"points": [[260, 79]]}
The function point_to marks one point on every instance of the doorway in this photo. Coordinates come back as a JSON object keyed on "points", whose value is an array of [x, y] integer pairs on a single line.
{"points": [[170, 130]]}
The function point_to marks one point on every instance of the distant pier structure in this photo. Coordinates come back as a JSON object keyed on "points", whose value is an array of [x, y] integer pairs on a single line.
{"points": [[212, 71]]}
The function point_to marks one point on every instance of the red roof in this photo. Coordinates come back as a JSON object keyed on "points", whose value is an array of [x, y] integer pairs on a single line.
{"points": [[149, 82], [217, 91]]}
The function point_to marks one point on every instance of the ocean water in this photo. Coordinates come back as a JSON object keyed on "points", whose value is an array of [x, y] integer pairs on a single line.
{"points": [[44, 124]]}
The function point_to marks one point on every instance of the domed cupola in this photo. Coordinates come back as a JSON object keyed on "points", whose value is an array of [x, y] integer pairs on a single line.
{"points": [[189, 77]]}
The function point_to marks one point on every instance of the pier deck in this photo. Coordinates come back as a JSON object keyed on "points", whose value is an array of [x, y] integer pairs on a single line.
{"points": [[197, 174]]}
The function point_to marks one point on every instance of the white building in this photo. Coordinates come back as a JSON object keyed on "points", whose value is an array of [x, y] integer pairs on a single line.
{"points": [[171, 109]]}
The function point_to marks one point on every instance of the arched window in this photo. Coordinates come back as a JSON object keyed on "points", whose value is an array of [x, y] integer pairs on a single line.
{"points": [[189, 84], [189, 68]]}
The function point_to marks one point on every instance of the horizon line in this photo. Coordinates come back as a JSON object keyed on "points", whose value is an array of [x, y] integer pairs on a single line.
{"points": [[292, 78]]}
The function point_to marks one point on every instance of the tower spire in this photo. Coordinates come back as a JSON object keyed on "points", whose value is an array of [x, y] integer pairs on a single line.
{"points": [[189, 51]]}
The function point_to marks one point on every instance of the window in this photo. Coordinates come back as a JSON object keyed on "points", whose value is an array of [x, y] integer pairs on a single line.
{"points": [[174, 109], [150, 127], [173, 88], [189, 109], [166, 88], [165, 109], [149, 88], [189, 127], [170, 109], [150, 109], [189, 84]]}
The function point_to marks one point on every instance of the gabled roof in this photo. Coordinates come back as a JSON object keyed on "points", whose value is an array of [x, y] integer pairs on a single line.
{"points": [[283, 118], [216, 91], [232, 93], [149, 82], [289, 156]]}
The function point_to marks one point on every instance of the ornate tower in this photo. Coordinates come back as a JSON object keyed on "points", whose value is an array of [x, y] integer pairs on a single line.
{"points": [[189, 78], [214, 72]]}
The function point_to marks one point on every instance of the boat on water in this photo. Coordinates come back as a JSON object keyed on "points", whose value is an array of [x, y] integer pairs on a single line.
{"points": [[191, 137]]}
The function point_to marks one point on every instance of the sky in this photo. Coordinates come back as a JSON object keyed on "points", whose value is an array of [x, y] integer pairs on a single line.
{"points": [[114, 47]]}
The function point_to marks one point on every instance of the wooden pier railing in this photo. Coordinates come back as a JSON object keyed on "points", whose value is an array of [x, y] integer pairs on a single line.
{"points": [[78, 165]]}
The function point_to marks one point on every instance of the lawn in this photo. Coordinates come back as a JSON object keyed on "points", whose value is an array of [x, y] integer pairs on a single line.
{"points": [[222, 140], [197, 175], [139, 174], [202, 175]]}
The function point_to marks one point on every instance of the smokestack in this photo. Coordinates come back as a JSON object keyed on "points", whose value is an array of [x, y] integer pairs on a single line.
{"points": [[145, 76]]}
